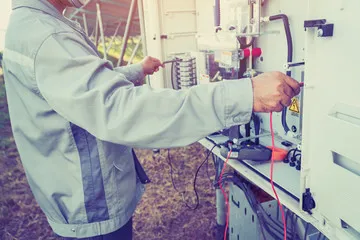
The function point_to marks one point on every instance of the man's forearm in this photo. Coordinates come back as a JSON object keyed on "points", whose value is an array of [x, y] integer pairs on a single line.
{"points": [[133, 73]]}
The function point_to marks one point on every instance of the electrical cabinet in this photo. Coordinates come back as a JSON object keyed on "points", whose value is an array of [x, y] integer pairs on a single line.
{"points": [[323, 121], [331, 117]]}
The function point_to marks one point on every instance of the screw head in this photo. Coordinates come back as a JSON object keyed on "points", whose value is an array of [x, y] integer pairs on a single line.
{"points": [[320, 32]]}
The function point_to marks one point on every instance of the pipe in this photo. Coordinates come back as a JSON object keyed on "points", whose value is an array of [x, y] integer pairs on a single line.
{"points": [[217, 14], [285, 20]]}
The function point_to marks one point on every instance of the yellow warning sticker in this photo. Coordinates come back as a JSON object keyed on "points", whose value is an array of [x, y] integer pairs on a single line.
{"points": [[294, 107]]}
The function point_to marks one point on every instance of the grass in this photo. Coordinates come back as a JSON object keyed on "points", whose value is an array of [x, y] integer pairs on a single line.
{"points": [[5, 140]]}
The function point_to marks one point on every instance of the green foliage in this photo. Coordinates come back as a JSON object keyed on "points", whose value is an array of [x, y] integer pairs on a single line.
{"points": [[115, 50]]}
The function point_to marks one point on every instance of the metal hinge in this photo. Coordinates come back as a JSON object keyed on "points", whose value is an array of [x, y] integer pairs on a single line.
{"points": [[324, 29]]}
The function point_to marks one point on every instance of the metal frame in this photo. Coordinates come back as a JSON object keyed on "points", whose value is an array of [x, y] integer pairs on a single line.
{"points": [[136, 48], [113, 37], [99, 32], [127, 29], [101, 26]]}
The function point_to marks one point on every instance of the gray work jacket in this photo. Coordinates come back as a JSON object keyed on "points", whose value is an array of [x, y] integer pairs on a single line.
{"points": [[75, 119]]}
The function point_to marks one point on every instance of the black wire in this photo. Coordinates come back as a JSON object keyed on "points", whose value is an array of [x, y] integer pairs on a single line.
{"points": [[306, 231], [319, 236], [174, 186], [288, 154], [294, 154], [289, 41], [280, 226], [256, 206], [196, 174], [195, 178], [294, 218], [171, 171]]}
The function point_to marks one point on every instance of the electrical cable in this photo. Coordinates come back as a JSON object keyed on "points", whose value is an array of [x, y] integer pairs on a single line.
{"points": [[182, 193], [257, 208], [280, 226], [253, 202], [271, 175], [306, 231], [194, 183], [294, 221], [224, 193], [319, 236], [255, 205], [289, 41], [197, 172]]}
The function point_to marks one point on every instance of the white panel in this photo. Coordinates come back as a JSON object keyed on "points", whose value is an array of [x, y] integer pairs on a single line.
{"points": [[331, 115], [205, 20], [153, 42], [274, 48], [170, 28]]}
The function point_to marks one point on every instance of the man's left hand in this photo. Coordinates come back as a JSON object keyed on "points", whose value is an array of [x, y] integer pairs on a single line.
{"points": [[151, 65]]}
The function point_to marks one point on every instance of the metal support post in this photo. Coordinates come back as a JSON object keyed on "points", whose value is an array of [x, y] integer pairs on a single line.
{"points": [[220, 202], [85, 24], [114, 36], [134, 52], [79, 9], [101, 27], [127, 31], [142, 25]]}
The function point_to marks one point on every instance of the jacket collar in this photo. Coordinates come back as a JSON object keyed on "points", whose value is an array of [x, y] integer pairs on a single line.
{"points": [[48, 8], [42, 5]]}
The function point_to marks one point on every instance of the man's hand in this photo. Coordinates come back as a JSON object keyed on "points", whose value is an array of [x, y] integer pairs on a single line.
{"points": [[151, 65], [273, 91]]}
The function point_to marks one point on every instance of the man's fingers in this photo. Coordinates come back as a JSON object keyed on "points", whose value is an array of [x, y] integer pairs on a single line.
{"points": [[293, 84], [288, 91], [278, 108], [157, 62], [285, 102]]}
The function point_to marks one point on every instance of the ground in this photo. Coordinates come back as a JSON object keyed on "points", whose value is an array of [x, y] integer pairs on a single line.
{"points": [[160, 215]]}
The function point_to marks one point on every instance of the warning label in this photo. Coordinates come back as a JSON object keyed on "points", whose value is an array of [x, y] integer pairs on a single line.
{"points": [[294, 107]]}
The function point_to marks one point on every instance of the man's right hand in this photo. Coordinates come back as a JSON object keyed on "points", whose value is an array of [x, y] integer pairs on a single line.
{"points": [[273, 91]]}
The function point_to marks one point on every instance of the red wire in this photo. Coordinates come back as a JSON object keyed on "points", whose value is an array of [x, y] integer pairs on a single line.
{"points": [[225, 196], [271, 175]]}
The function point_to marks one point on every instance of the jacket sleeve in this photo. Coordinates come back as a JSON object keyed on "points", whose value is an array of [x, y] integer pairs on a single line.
{"points": [[133, 72], [86, 91]]}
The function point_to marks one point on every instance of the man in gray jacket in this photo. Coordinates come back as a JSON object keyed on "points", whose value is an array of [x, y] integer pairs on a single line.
{"points": [[75, 118]]}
